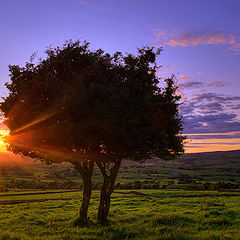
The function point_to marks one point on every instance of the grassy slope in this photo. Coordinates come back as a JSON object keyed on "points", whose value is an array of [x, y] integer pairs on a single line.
{"points": [[131, 217]]}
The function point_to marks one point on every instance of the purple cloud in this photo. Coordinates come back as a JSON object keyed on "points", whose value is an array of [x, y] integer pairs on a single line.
{"points": [[191, 84], [217, 123], [215, 97], [205, 113], [216, 83]]}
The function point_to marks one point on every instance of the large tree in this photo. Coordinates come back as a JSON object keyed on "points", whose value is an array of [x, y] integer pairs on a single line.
{"points": [[143, 119], [85, 107]]}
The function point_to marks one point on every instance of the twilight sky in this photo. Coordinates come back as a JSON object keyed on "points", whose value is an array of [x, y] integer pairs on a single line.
{"points": [[200, 39]]}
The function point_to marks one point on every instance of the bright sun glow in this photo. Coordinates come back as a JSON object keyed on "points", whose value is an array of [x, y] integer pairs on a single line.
{"points": [[3, 133]]}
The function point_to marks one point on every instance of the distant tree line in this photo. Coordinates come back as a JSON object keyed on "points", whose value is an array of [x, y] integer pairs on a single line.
{"points": [[145, 184]]}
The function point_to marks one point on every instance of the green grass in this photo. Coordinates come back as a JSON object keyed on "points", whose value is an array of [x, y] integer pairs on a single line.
{"points": [[131, 217], [156, 214]]}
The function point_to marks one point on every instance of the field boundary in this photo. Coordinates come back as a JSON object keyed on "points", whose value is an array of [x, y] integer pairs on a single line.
{"points": [[136, 193], [36, 193]]}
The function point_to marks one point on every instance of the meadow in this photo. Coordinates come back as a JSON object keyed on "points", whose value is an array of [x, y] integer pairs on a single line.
{"points": [[141, 214], [196, 197]]}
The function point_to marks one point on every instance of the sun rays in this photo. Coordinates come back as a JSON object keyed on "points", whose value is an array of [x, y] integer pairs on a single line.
{"points": [[35, 122]]}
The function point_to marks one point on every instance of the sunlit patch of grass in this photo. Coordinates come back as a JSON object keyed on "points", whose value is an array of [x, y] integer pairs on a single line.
{"points": [[131, 217]]}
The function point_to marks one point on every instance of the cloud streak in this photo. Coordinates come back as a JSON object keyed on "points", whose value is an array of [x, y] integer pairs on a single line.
{"points": [[195, 38], [227, 135], [189, 83]]}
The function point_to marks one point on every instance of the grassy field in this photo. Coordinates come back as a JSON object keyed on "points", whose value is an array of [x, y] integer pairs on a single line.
{"points": [[152, 200], [141, 214]]}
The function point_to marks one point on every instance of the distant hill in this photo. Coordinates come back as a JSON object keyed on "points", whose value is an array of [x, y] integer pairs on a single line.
{"points": [[221, 160]]}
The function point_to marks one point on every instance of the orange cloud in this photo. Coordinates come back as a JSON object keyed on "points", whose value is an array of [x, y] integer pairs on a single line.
{"points": [[184, 78], [160, 35], [197, 38]]}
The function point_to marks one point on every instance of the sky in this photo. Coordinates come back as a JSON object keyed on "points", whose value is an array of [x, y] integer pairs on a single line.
{"points": [[200, 41]]}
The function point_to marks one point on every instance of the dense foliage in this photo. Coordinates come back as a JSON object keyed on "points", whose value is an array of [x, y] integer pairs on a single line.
{"points": [[86, 107]]}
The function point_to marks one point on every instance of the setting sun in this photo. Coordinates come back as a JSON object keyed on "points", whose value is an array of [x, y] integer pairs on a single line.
{"points": [[3, 133]]}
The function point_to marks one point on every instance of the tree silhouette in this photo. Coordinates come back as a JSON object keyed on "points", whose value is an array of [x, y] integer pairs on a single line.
{"points": [[85, 107], [144, 120]]}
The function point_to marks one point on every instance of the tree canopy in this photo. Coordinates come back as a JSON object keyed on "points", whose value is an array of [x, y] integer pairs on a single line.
{"points": [[85, 106]]}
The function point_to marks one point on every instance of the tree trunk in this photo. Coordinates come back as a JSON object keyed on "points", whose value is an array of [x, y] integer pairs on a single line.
{"points": [[86, 172], [87, 190], [106, 190]]}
